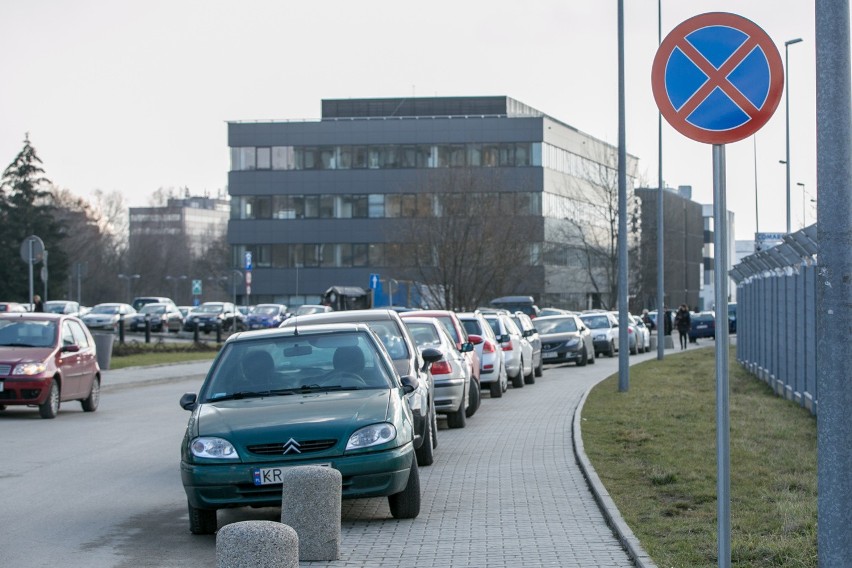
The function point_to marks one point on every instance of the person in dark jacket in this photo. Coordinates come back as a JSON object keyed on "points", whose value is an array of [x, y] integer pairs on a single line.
{"points": [[38, 305], [683, 323]]}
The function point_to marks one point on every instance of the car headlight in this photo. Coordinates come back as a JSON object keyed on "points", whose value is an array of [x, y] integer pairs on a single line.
{"points": [[600, 337], [217, 448], [372, 435], [572, 342], [29, 369]]}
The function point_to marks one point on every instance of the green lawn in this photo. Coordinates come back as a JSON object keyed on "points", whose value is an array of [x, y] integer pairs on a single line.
{"points": [[135, 354], [654, 448]]}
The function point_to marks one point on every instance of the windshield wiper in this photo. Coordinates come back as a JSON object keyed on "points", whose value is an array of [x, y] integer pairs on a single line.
{"points": [[314, 388]]}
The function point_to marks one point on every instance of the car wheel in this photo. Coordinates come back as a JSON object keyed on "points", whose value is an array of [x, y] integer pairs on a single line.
{"points": [[611, 352], [424, 453], [518, 380], [406, 503], [584, 358], [202, 521], [90, 404], [634, 350], [50, 407], [475, 399], [529, 379], [540, 369], [496, 389], [592, 358], [457, 419]]}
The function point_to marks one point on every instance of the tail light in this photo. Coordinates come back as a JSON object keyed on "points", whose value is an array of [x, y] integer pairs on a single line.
{"points": [[440, 368], [488, 347], [507, 346]]}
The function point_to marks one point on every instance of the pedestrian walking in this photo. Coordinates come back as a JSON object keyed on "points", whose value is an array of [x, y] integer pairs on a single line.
{"points": [[683, 323], [38, 305]]}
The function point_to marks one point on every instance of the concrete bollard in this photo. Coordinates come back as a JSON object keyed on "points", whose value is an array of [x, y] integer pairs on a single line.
{"points": [[311, 504], [249, 544]]}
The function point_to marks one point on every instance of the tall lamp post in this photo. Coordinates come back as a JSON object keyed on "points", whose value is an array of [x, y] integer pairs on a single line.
{"points": [[787, 44], [129, 278], [236, 276], [174, 281], [804, 212]]}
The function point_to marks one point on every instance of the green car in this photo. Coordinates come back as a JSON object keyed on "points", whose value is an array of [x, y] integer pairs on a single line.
{"points": [[312, 395]]}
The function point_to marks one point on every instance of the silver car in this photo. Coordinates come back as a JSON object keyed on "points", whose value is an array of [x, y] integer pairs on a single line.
{"points": [[530, 333], [492, 369], [107, 316], [604, 328], [565, 338], [512, 345], [451, 373]]}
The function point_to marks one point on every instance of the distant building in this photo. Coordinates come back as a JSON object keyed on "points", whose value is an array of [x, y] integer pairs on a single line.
{"points": [[683, 249], [195, 220], [708, 290], [319, 203]]}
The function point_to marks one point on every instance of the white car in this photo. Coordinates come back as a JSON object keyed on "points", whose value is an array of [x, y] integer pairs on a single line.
{"points": [[604, 329], [643, 331], [492, 369], [106, 316], [517, 353]]}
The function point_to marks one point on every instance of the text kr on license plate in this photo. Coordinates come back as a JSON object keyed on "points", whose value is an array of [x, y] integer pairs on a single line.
{"points": [[272, 475]]}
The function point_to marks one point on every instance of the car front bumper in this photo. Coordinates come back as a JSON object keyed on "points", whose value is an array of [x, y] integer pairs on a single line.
{"points": [[218, 486], [24, 390]]}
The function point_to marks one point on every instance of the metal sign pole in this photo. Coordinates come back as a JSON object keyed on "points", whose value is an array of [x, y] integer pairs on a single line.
{"points": [[720, 275], [30, 244]]}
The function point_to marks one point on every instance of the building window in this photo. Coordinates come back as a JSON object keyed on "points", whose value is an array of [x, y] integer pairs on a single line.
{"points": [[360, 255], [283, 158], [359, 207], [393, 205], [376, 254], [326, 206], [264, 158], [312, 206], [376, 205]]}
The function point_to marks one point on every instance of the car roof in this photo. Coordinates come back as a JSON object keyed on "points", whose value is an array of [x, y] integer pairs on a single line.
{"points": [[347, 316], [34, 316], [303, 328]]}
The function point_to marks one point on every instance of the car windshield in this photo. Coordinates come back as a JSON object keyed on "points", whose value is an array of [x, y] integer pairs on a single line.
{"points": [[265, 311], [106, 309], [596, 322], [209, 309], [556, 325], [152, 309], [32, 333], [304, 363], [307, 310], [472, 326], [54, 307]]}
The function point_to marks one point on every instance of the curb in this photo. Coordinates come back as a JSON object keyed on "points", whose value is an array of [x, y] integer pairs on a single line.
{"points": [[613, 517]]}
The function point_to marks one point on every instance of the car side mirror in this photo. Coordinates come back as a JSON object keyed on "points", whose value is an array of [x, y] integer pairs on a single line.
{"points": [[431, 355], [466, 347], [70, 348], [504, 338], [475, 339], [409, 384], [188, 401]]}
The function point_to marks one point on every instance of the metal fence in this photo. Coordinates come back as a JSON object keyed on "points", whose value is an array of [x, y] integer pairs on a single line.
{"points": [[776, 323]]}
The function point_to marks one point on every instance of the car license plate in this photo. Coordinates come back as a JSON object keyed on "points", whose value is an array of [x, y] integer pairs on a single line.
{"points": [[550, 355], [701, 327], [272, 475]]}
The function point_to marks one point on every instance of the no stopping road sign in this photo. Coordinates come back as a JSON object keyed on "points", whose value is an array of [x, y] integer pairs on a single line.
{"points": [[717, 78]]}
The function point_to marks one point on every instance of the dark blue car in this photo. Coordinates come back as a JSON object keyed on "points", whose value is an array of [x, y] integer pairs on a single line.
{"points": [[703, 325], [264, 316]]}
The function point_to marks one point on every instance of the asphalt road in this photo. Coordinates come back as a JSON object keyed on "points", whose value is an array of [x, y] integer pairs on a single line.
{"points": [[103, 489]]}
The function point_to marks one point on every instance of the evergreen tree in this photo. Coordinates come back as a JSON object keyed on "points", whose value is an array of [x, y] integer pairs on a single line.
{"points": [[26, 209]]}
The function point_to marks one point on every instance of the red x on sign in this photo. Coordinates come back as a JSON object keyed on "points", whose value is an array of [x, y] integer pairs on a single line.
{"points": [[717, 78]]}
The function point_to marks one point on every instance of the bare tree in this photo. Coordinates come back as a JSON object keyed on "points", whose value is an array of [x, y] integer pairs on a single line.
{"points": [[588, 233], [472, 236]]}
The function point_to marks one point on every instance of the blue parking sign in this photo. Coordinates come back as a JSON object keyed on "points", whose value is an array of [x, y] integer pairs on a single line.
{"points": [[248, 260]]}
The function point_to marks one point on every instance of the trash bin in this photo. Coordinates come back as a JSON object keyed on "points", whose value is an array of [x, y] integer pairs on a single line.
{"points": [[103, 346]]}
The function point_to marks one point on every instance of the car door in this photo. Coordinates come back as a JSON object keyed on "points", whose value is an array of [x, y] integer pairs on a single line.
{"points": [[70, 362]]}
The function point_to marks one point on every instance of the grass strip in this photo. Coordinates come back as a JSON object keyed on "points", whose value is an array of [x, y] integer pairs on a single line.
{"points": [[654, 449]]}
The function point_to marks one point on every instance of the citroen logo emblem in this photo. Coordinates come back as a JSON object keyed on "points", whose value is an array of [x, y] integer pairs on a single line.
{"points": [[292, 446]]}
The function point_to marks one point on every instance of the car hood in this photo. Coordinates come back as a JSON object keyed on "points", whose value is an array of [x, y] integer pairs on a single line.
{"points": [[15, 355], [316, 415]]}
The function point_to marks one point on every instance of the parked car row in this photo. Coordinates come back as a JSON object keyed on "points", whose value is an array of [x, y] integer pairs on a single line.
{"points": [[356, 390]]}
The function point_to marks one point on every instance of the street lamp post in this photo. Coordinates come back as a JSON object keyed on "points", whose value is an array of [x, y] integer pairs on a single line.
{"points": [[174, 281], [129, 278], [235, 276], [804, 213], [787, 44]]}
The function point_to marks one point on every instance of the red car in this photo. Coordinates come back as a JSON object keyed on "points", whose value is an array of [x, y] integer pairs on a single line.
{"points": [[46, 359], [454, 326]]}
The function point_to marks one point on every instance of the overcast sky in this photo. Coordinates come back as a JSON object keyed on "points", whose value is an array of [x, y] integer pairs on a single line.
{"points": [[134, 96]]}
